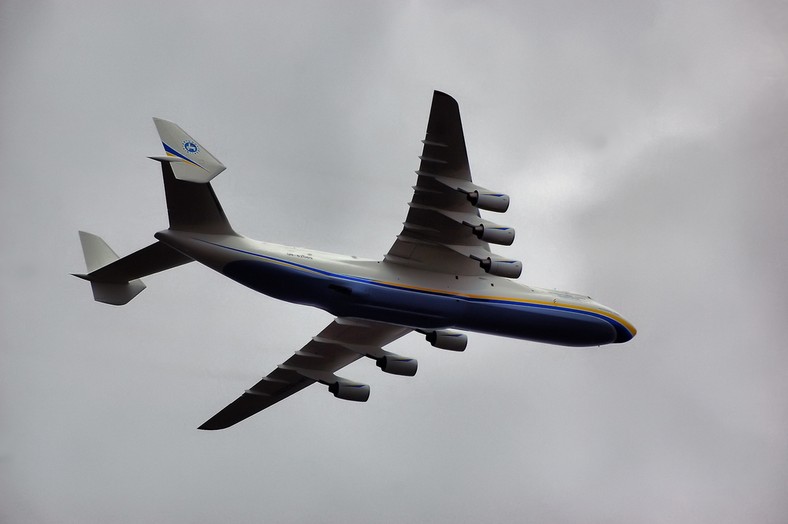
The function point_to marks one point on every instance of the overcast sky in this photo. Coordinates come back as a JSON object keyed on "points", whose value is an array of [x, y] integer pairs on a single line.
{"points": [[643, 146]]}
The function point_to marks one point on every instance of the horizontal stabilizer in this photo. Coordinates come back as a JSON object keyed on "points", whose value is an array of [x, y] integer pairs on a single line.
{"points": [[117, 280], [194, 163]]}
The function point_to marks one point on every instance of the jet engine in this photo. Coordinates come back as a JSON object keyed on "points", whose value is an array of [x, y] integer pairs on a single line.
{"points": [[350, 391], [502, 268], [450, 340], [496, 234], [497, 202], [397, 365]]}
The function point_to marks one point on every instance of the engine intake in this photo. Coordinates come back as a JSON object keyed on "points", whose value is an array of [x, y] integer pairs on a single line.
{"points": [[448, 340], [497, 202], [397, 365], [350, 391], [502, 268]]}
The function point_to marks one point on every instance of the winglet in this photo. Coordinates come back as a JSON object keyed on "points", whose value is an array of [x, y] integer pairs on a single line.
{"points": [[191, 161]]}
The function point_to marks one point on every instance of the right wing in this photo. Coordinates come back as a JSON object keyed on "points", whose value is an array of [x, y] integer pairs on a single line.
{"points": [[344, 341], [442, 231]]}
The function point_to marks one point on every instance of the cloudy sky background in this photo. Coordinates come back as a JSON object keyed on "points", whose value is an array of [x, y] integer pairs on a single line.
{"points": [[643, 145]]}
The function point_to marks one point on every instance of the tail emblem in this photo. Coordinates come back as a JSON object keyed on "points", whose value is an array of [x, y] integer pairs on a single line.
{"points": [[191, 147], [197, 165]]}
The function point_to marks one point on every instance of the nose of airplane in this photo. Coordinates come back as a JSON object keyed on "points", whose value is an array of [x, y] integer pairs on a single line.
{"points": [[625, 330], [625, 334]]}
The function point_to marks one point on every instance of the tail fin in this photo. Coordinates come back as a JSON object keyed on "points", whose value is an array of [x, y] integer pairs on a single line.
{"points": [[190, 161], [188, 167], [117, 280], [97, 255]]}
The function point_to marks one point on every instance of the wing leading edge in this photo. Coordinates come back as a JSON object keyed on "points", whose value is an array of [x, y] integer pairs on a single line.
{"points": [[342, 342]]}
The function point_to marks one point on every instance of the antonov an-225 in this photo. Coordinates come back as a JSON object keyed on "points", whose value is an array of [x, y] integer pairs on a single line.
{"points": [[438, 275]]}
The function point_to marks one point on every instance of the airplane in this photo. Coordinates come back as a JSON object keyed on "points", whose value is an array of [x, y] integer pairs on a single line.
{"points": [[439, 275]]}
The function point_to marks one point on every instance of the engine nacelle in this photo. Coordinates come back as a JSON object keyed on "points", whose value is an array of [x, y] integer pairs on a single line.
{"points": [[501, 235], [502, 268], [497, 202], [350, 391], [397, 365], [448, 340]]}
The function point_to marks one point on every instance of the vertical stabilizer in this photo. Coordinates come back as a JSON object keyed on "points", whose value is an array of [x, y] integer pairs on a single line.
{"points": [[188, 168], [193, 207], [97, 255]]}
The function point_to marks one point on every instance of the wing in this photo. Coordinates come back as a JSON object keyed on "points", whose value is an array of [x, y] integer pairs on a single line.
{"points": [[443, 230], [342, 342]]}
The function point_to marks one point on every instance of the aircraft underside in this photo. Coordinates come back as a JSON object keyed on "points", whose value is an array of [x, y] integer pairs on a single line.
{"points": [[419, 309], [389, 295]]}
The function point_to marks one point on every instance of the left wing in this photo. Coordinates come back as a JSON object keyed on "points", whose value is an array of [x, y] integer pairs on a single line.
{"points": [[344, 341]]}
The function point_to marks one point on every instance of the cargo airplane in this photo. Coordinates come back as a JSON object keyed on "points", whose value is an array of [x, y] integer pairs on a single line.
{"points": [[439, 275]]}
